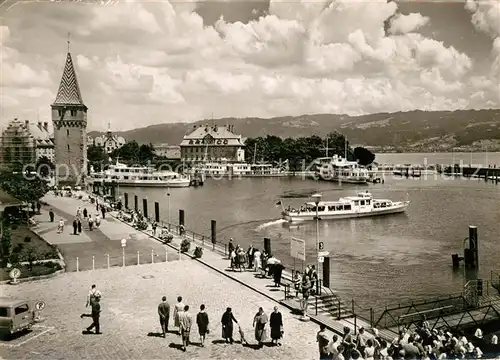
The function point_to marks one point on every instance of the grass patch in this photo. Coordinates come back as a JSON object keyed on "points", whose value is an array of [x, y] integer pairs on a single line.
{"points": [[37, 270], [18, 238]]}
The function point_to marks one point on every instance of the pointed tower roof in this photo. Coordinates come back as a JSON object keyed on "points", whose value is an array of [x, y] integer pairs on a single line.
{"points": [[69, 91]]}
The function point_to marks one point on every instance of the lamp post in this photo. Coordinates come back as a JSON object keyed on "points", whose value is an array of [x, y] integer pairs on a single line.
{"points": [[168, 202], [317, 199]]}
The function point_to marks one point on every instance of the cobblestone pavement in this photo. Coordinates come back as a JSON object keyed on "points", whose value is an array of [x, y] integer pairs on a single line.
{"points": [[129, 317], [93, 247]]}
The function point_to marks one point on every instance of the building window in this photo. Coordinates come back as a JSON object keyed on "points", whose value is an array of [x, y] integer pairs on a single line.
{"points": [[67, 132], [59, 112], [68, 147], [73, 112]]}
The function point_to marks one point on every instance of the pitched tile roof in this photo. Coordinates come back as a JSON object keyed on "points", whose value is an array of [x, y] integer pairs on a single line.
{"points": [[215, 132], [69, 91]]}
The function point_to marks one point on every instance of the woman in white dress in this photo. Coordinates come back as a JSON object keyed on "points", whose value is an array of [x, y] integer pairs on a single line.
{"points": [[256, 260], [178, 308]]}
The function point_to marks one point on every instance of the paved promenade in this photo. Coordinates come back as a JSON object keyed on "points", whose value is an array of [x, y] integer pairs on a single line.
{"points": [[130, 321], [93, 247]]}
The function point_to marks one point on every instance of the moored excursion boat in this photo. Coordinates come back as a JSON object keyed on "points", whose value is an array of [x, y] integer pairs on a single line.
{"points": [[362, 205], [142, 176], [340, 170]]}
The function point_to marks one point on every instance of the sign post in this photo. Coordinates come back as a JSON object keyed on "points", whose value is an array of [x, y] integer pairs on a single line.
{"points": [[124, 243], [14, 275], [298, 248]]}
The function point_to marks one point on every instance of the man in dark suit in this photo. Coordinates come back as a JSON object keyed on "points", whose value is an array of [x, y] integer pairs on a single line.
{"points": [[250, 254], [164, 312], [96, 314]]}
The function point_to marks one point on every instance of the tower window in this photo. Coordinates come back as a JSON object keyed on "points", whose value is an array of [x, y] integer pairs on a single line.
{"points": [[73, 112], [67, 132], [68, 147], [59, 112]]}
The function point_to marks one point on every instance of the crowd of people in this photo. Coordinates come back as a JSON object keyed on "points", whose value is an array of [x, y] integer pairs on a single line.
{"points": [[420, 343]]}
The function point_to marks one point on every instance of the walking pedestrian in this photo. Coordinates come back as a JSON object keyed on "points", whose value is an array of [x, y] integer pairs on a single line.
{"points": [[103, 211], [51, 215], [227, 325], [154, 226], [230, 246], [185, 322], [93, 294], [179, 307], [96, 314], [232, 257], [323, 341], [60, 228], [250, 254], [97, 220], [256, 260], [259, 323], [78, 212], [277, 272], [79, 225], [164, 313], [202, 321], [91, 223], [85, 212], [276, 325], [75, 227], [38, 207]]}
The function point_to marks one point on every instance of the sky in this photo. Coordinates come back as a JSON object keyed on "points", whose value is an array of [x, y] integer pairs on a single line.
{"points": [[141, 63]]}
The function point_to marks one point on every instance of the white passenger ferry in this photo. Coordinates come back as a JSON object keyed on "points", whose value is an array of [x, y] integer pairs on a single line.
{"points": [[237, 169], [142, 176], [339, 169], [362, 205]]}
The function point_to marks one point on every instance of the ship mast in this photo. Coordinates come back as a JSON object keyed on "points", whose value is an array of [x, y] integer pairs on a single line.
{"points": [[254, 153]]}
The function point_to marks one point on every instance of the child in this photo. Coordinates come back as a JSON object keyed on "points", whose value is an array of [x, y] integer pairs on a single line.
{"points": [[242, 335]]}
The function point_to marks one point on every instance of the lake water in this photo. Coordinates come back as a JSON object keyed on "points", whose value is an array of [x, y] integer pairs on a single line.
{"points": [[375, 260]]}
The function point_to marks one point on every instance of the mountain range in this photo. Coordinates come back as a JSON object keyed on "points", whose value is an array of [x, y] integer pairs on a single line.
{"points": [[409, 131]]}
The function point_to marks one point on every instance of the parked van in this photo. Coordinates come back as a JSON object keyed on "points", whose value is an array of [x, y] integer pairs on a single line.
{"points": [[16, 315]]}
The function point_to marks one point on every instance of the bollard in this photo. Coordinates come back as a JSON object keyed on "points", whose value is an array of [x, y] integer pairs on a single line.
{"points": [[152, 256], [77, 264], [123, 256], [138, 262], [93, 262], [107, 255]]}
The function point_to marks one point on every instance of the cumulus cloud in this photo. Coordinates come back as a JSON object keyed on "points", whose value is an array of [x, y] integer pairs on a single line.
{"points": [[402, 24], [142, 60]]}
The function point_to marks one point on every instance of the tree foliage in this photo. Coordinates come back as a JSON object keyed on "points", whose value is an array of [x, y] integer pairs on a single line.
{"points": [[364, 156], [133, 153], [299, 151], [6, 243], [23, 186]]}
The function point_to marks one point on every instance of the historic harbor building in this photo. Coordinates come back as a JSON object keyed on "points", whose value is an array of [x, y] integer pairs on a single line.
{"points": [[213, 143], [108, 141], [25, 143], [69, 119]]}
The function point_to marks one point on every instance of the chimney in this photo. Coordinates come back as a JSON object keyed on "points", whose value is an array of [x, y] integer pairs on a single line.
{"points": [[46, 126], [27, 123], [40, 125]]}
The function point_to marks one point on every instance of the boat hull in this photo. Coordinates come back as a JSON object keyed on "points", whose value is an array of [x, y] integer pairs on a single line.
{"points": [[166, 184], [396, 209], [345, 179]]}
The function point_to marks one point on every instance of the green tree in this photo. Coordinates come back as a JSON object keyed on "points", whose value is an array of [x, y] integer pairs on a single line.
{"points": [[364, 156], [22, 186], [128, 153], [96, 155], [44, 166], [6, 243]]}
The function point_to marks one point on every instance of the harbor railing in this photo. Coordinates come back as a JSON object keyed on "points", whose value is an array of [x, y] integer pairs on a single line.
{"points": [[197, 239]]}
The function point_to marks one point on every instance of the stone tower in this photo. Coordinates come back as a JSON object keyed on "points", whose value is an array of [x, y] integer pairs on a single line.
{"points": [[69, 118]]}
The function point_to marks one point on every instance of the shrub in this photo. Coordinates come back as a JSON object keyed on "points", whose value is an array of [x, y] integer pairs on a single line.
{"points": [[166, 237], [198, 252], [53, 265], [185, 245], [141, 225], [27, 239]]}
